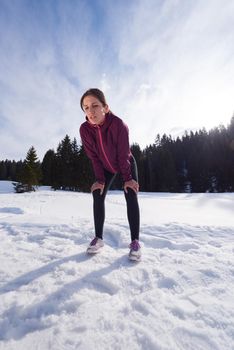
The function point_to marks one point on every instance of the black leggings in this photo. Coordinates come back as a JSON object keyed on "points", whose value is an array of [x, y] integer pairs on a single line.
{"points": [[131, 200]]}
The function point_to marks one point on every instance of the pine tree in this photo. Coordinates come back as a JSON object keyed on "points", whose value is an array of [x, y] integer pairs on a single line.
{"points": [[231, 154], [85, 171], [3, 171], [48, 168], [31, 173], [64, 164], [75, 165]]}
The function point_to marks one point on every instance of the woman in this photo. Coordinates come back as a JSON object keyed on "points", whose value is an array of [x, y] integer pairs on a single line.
{"points": [[106, 143]]}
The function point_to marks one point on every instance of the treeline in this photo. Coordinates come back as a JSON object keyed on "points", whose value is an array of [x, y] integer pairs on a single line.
{"points": [[197, 162]]}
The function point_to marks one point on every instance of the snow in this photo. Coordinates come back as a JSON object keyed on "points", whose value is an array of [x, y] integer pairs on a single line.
{"points": [[54, 296]]}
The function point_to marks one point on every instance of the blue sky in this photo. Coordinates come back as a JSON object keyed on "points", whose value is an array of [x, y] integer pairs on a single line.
{"points": [[165, 67]]}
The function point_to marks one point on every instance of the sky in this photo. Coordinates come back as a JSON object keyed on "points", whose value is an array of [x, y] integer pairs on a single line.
{"points": [[165, 66]]}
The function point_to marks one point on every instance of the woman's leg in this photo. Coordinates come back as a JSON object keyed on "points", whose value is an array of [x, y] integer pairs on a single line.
{"points": [[99, 205], [133, 211]]}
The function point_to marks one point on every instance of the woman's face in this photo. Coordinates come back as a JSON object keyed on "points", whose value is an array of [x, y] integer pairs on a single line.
{"points": [[94, 110]]}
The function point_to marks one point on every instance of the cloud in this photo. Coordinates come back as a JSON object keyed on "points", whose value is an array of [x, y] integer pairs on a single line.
{"points": [[43, 70], [162, 64], [183, 51]]}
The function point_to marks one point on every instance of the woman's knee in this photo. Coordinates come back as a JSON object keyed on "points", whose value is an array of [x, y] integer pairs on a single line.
{"points": [[97, 196], [130, 195]]}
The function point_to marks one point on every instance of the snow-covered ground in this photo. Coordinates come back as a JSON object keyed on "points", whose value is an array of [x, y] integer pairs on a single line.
{"points": [[53, 296]]}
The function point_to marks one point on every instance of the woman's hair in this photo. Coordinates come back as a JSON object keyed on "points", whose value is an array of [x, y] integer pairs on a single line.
{"points": [[96, 93]]}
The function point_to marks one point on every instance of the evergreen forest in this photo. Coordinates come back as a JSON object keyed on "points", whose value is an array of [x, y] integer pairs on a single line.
{"points": [[201, 161]]}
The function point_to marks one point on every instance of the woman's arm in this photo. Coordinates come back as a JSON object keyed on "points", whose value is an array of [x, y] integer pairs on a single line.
{"points": [[123, 152], [91, 153]]}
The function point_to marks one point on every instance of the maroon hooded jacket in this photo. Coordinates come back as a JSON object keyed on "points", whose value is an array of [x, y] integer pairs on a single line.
{"points": [[107, 146]]}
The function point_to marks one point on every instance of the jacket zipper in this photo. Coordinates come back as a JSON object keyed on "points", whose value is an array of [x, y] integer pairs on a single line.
{"points": [[103, 151]]}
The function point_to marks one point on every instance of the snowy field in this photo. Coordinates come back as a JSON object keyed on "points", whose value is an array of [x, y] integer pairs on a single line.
{"points": [[54, 296]]}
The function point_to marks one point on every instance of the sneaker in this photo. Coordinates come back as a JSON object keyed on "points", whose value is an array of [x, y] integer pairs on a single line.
{"points": [[135, 251], [95, 245]]}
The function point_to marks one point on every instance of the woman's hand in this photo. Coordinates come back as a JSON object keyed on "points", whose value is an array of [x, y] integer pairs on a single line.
{"points": [[131, 184], [97, 186]]}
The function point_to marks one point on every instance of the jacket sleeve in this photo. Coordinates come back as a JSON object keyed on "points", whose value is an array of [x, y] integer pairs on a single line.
{"points": [[90, 151], [123, 152]]}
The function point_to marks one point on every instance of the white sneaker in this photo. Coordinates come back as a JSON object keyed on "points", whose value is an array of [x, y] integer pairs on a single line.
{"points": [[135, 251], [95, 246]]}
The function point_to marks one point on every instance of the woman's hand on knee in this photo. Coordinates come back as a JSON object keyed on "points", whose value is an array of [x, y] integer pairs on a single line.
{"points": [[131, 184], [97, 186]]}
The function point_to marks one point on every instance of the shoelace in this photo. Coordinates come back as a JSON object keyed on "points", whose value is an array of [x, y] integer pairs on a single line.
{"points": [[94, 241], [134, 245]]}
